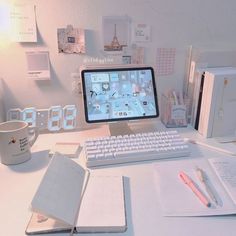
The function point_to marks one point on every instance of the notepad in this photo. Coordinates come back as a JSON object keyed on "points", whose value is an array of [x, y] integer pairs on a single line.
{"points": [[179, 200], [69, 149], [69, 196]]}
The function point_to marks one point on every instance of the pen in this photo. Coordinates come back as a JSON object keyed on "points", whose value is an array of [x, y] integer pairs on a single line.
{"points": [[203, 178], [210, 146], [189, 182]]}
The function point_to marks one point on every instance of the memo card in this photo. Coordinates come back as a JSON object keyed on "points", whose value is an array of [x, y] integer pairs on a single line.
{"points": [[141, 32], [23, 23], [38, 64], [70, 149]]}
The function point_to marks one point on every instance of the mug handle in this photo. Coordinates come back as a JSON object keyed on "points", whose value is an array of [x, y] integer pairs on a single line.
{"points": [[34, 135]]}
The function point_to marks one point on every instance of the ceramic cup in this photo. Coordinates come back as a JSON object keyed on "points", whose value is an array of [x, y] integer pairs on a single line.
{"points": [[16, 138]]}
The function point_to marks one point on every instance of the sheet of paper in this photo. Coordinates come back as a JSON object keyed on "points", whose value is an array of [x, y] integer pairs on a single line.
{"points": [[58, 195], [23, 23], [226, 171], [39, 224], [38, 64], [178, 199], [103, 207], [165, 61], [141, 32]]}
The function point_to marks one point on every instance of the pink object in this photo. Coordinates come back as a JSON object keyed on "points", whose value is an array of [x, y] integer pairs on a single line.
{"points": [[187, 180]]}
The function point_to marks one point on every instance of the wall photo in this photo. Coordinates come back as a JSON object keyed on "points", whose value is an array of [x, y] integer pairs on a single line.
{"points": [[116, 31], [71, 40]]}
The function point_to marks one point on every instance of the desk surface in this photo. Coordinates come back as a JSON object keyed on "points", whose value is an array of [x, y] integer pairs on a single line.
{"points": [[18, 184]]}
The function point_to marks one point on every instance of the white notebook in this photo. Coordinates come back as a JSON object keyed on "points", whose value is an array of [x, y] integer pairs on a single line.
{"points": [[56, 205]]}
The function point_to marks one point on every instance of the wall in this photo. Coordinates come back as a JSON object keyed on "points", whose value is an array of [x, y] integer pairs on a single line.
{"points": [[176, 24], [2, 110]]}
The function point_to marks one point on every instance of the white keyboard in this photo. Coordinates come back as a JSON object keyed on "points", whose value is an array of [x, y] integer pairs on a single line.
{"points": [[135, 147]]}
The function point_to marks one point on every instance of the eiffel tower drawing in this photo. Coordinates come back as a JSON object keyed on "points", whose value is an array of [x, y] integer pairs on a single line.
{"points": [[115, 45], [115, 42]]}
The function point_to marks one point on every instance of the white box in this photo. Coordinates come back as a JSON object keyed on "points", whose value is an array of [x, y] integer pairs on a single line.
{"points": [[218, 107]]}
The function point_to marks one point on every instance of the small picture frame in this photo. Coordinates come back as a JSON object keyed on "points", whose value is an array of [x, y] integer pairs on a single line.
{"points": [[126, 59]]}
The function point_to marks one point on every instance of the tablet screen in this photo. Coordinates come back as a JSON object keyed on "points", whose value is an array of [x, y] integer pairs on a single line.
{"points": [[119, 94]]}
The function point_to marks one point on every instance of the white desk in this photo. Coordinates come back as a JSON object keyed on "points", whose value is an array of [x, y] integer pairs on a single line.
{"points": [[18, 184]]}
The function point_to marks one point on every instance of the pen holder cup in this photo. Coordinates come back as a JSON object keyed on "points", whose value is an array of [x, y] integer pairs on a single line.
{"points": [[173, 115]]}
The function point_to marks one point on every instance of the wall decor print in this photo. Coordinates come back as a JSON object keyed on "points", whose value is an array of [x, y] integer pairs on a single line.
{"points": [[71, 40], [23, 23], [165, 60], [116, 31]]}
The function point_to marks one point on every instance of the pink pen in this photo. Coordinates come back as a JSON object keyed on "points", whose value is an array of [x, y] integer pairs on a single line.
{"points": [[187, 180]]}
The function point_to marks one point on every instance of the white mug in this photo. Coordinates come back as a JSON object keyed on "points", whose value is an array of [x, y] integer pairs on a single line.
{"points": [[16, 138]]}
